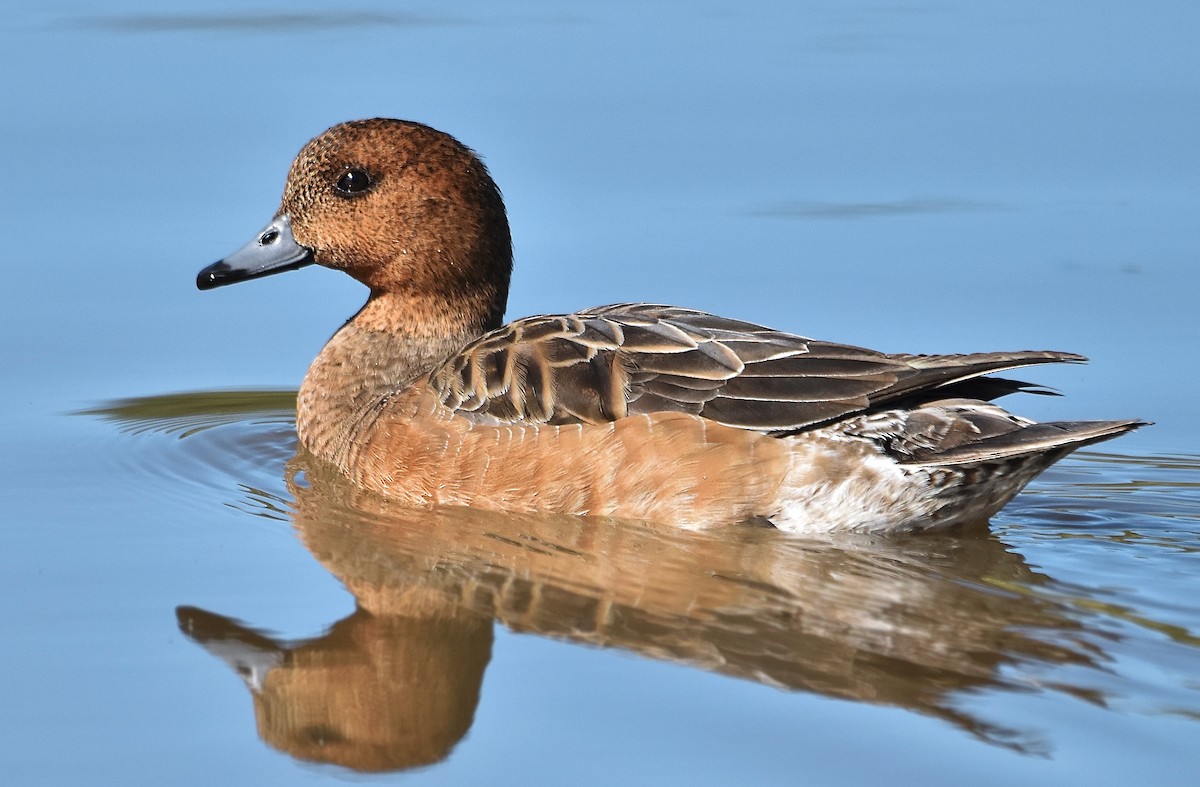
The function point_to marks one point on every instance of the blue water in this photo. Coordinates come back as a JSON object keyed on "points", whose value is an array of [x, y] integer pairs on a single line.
{"points": [[916, 178]]}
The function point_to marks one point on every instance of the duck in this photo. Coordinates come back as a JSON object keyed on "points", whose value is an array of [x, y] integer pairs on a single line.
{"points": [[635, 411]]}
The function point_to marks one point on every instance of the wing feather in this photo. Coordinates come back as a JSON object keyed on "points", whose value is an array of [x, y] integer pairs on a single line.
{"points": [[606, 363]]}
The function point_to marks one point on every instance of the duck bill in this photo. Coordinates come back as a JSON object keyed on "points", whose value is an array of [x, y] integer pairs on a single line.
{"points": [[274, 250]]}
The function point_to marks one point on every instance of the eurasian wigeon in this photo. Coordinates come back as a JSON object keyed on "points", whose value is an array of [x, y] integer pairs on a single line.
{"points": [[635, 411]]}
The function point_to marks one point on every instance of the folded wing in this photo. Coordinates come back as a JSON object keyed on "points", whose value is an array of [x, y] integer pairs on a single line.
{"points": [[626, 359]]}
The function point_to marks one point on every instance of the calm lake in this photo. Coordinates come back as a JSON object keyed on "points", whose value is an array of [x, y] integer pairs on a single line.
{"points": [[185, 600]]}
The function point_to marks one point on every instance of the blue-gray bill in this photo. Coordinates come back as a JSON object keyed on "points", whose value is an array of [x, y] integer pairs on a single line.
{"points": [[274, 250]]}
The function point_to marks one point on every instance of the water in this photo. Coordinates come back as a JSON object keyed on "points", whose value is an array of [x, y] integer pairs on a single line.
{"points": [[914, 178]]}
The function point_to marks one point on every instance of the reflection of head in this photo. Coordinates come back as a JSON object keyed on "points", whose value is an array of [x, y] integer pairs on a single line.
{"points": [[377, 694], [373, 694]]}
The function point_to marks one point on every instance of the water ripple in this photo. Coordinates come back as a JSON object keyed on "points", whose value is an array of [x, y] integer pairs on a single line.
{"points": [[222, 441]]}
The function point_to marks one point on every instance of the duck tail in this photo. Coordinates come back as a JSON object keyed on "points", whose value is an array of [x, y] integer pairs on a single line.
{"points": [[1051, 441]]}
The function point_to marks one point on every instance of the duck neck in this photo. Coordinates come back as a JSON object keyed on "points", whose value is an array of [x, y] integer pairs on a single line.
{"points": [[386, 347]]}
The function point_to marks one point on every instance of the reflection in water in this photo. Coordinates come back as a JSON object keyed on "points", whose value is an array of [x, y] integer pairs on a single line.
{"points": [[257, 24], [919, 623], [866, 210], [185, 414]]}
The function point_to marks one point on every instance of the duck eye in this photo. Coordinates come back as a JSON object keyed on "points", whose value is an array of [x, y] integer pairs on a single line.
{"points": [[354, 181]]}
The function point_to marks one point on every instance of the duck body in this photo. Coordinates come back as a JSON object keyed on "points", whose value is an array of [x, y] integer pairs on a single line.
{"points": [[636, 411]]}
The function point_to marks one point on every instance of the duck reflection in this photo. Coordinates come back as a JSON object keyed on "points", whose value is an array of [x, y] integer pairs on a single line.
{"points": [[915, 623], [919, 623]]}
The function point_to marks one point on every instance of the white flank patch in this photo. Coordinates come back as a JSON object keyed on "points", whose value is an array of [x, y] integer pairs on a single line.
{"points": [[874, 494]]}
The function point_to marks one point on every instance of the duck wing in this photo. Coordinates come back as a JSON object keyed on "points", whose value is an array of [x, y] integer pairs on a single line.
{"points": [[627, 359]]}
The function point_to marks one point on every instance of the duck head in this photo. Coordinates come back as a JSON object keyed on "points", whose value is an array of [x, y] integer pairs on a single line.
{"points": [[401, 207]]}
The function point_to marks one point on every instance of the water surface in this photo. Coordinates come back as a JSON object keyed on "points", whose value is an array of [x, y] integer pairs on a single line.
{"points": [[187, 600]]}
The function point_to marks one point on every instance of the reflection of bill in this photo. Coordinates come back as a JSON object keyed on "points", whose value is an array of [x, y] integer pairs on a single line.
{"points": [[912, 623]]}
